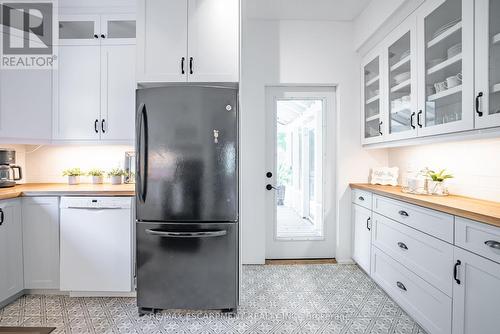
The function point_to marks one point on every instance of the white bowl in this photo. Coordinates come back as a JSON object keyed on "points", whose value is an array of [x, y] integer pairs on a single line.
{"points": [[454, 50]]}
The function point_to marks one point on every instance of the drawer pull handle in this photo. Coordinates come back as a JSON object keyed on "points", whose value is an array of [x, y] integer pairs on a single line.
{"points": [[401, 286], [368, 223], [455, 271], [402, 245], [361, 198], [493, 244], [404, 213]]}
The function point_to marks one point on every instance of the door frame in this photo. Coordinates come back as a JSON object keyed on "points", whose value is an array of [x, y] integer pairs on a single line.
{"points": [[304, 247]]}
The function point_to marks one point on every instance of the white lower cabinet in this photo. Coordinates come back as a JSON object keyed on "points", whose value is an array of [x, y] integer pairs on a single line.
{"points": [[362, 236], [476, 294], [41, 242], [430, 307], [11, 249]]}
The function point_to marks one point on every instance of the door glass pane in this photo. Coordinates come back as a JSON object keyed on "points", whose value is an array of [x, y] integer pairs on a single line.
{"points": [[121, 29], [400, 85], [299, 131], [443, 64], [372, 99], [76, 29], [494, 57]]}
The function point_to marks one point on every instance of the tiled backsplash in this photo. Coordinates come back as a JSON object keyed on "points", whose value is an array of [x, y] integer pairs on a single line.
{"points": [[475, 165], [46, 163]]}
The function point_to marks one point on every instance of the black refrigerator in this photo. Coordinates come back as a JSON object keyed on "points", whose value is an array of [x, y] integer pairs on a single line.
{"points": [[187, 198]]}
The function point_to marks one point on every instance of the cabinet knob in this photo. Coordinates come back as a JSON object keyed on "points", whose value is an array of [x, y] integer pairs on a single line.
{"points": [[96, 36], [103, 36]]}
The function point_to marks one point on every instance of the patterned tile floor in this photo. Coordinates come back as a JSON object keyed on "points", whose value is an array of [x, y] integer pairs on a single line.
{"points": [[324, 298]]}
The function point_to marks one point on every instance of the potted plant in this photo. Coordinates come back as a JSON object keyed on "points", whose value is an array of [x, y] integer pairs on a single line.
{"points": [[436, 184], [116, 175], [73, 175], [97, 175]]}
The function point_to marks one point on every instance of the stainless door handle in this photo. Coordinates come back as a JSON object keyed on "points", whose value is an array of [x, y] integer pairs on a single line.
{"points": [[493, 244], [203, 234]]}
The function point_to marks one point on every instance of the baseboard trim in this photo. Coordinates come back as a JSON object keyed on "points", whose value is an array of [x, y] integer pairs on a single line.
{"points": [[300, 261], [11, 299]]}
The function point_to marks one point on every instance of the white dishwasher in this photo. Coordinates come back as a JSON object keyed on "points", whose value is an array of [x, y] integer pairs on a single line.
{"points": [[96, 244]]}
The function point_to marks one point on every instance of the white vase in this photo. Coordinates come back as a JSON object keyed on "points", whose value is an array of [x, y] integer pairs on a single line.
{"points": [[73, 180], [97, 179], [116, 179], [437, 188]]}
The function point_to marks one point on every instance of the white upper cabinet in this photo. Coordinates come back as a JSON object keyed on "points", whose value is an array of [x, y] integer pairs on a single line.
{"points": [[94, 86], [487, 63], [446, 73], [188, 40], [213, 41], [162, 29], [401, 89], [373, 125]]}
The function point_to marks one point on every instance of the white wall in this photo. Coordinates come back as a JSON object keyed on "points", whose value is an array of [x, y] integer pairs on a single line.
{"points": [[298, 52], [475, 165]]}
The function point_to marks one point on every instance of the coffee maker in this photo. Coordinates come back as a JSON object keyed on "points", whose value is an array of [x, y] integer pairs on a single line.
{"points": [[9, 172]]}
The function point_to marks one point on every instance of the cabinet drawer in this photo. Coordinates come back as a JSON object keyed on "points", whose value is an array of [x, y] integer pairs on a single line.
{"points": [[430, 307], [478, 238], [363, 198], [426, 256], [435, 223]]}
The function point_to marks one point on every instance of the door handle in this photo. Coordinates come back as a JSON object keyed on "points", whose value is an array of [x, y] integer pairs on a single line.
{"points": [[361, 198], [103, 36], [368, 224], [402, 245], [202, 234], [401, 286], [183, 59], [479, 95], [142, 159], [380, 128], [102, 126], [418, 118], [191, 60], [2, 216], [403, 213], [95, 126], [271, 187], [411, 120], [455, 271], [493, 244]]}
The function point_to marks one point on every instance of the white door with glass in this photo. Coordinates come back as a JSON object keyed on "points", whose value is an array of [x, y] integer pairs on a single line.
{"points": [[300, 172]]}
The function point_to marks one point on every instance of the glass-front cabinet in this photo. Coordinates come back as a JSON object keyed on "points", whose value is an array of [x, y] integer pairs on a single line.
{"points": [[487, 63], [446, 50], [401, 88], [372, 101]]}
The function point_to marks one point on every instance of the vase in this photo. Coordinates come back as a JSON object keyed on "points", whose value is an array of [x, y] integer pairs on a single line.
{"points": [[73, 180], [97, 179], [116, 179], [437, 188]]}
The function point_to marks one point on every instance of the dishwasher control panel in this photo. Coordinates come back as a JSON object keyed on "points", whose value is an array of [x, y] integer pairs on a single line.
{"points": [[96, 202]]}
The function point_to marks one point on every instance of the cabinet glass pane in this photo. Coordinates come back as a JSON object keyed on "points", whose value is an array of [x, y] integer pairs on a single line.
{"points": [[443, 64], [400, 85], [372, 98], [76, 29], [494, 65], [121, 29]]}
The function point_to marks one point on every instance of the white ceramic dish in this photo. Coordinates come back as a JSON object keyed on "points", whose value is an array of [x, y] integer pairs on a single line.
{"points": [[454, 50], [399, 78], [435, 62], [445, 27]]}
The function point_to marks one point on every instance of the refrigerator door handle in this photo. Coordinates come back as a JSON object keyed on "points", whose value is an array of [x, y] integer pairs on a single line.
{"points": [[202, 234], [142, 159]]}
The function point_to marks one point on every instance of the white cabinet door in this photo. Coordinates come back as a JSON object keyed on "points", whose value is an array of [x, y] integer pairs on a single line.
{"points": [[118, 29], [446, 66], [487, 63], [372, 80], [213, 40], [79, 30], [362, 236], [476, 293], [11, 249], [41, 242], [117, 92], [162, 41], [78, 90], [400, 88]]}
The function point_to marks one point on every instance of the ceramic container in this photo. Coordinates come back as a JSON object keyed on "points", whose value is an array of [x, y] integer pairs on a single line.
{"points": [[97, 179], [116, 179], [73, 180]]}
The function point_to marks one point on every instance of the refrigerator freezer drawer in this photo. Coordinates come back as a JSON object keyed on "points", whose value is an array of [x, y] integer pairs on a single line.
{"points": [[187, 266]]}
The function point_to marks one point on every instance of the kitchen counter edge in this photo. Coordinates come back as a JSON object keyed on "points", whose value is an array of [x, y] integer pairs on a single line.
{"points": [[483, 211], [63, 189]]}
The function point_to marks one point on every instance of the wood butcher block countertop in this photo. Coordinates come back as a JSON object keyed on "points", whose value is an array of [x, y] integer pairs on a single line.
{"points": [[63, 189], [483, 211]]}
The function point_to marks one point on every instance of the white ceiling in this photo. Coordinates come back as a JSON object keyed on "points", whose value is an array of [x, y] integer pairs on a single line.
{"points": [[338, 10]]}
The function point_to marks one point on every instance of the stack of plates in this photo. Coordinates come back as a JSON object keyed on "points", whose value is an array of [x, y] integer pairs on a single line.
{"points": [[404, 55], [435, 62], [399, 78], [454, 50], [445, 27]]}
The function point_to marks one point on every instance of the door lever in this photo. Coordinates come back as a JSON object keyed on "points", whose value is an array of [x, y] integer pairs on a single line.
{"points": [[270, 187]]}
